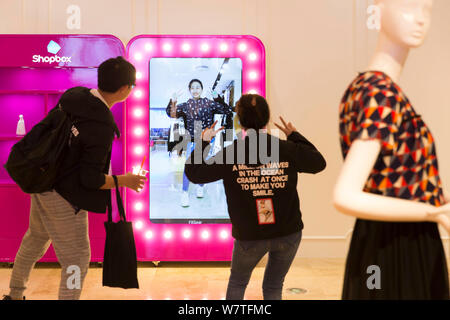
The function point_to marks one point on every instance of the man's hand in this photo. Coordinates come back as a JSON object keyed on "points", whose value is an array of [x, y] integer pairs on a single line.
{"points": [[133, 181]]}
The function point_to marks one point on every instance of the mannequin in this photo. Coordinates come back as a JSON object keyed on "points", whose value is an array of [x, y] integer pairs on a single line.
{"points": [[404, 24], [393, 46]]}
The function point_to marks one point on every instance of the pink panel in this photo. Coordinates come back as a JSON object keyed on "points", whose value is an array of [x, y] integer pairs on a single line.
{"points": [[32, 89], [164, 242]]}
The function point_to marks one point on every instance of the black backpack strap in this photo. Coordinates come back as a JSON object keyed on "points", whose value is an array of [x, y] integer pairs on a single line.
{"points": [[119, 200]]}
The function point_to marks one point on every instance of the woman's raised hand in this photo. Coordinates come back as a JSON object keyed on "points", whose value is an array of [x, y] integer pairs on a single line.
{"points": [[286, 128], [209, 133], [176, 95]]}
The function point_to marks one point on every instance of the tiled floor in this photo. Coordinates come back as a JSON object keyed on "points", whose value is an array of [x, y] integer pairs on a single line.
{"points": [[322, 279]]}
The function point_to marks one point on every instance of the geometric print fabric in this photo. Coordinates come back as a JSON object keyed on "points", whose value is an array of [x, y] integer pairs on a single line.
{"points": [[374, 107]]}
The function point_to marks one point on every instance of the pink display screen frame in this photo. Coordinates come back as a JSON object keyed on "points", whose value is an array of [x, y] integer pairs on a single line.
{"points": [[179, 242]]}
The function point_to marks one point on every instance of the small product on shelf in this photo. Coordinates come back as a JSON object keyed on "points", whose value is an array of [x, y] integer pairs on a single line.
{"points": [[21, 126]]}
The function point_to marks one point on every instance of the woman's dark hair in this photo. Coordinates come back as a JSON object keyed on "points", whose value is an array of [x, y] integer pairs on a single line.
{"points": [[115, 73], [253, 111], [195, 80]]}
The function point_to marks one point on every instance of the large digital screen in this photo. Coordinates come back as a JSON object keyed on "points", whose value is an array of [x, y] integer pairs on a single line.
{"points": [[195, 84]]}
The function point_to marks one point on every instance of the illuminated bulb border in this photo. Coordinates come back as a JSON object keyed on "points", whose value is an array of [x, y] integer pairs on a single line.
{"points": [[204, 47]]}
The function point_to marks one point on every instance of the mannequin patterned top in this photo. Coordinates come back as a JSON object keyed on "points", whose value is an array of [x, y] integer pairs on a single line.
{"points": [[374, 107]]}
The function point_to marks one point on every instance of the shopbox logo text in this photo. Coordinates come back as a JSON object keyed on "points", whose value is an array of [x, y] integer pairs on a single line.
{"points": [[54, 48]]}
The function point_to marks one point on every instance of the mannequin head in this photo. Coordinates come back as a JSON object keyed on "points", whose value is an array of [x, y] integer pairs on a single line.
{"points": [[405, 22]]}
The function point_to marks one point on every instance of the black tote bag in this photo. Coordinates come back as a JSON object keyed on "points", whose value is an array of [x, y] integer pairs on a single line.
{"points": [[119, 261]]}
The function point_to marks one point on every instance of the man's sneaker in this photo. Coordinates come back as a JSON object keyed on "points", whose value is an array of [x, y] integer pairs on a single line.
{"points": [[185, 199], [200, 192], [5, 297]]}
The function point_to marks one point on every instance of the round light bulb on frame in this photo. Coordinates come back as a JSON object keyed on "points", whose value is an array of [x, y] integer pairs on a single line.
{"points": [[138, 132], [138, 93], [252, 56], [186, 47], [148, 47], [138, 56], [138, 150], [138, 206], [205, 235], [139, 225], [242, 47], [167, 47], [205, 47], [224, 234], [223, 47], [149, 234], [187, 234], [168, 234], [138, 75], [138, 113], [253, 75]]}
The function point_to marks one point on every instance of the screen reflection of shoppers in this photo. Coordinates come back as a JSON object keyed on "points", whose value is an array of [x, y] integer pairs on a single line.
{"points": [[198, 114], [390, 180], [265, 216]]}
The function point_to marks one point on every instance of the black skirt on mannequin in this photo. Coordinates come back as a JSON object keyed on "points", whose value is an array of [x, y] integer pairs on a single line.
{"points": [[410, 257]]}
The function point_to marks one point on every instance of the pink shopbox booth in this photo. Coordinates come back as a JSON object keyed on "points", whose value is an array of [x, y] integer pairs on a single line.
{"points": [[31, 86]]}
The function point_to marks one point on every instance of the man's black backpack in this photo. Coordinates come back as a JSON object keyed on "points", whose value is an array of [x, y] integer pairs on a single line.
{"points": [[34, 162]]}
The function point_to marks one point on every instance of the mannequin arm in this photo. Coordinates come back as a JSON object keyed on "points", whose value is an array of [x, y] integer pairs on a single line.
{"points": [[350, 199], [446, 196]]}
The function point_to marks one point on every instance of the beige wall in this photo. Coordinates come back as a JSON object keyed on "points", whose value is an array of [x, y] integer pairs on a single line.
{"points": [[314, 49]]}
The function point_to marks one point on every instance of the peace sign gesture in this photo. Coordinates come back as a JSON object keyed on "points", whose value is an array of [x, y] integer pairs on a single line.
{"points": [[209, 133], [176, 95], [287, 129]]}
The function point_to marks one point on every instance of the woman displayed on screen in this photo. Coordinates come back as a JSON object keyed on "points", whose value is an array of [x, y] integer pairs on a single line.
{"points": [[198, 114]]}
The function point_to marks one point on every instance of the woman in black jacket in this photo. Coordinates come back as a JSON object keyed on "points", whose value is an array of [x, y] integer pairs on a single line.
{"points": [[262, 198]]}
